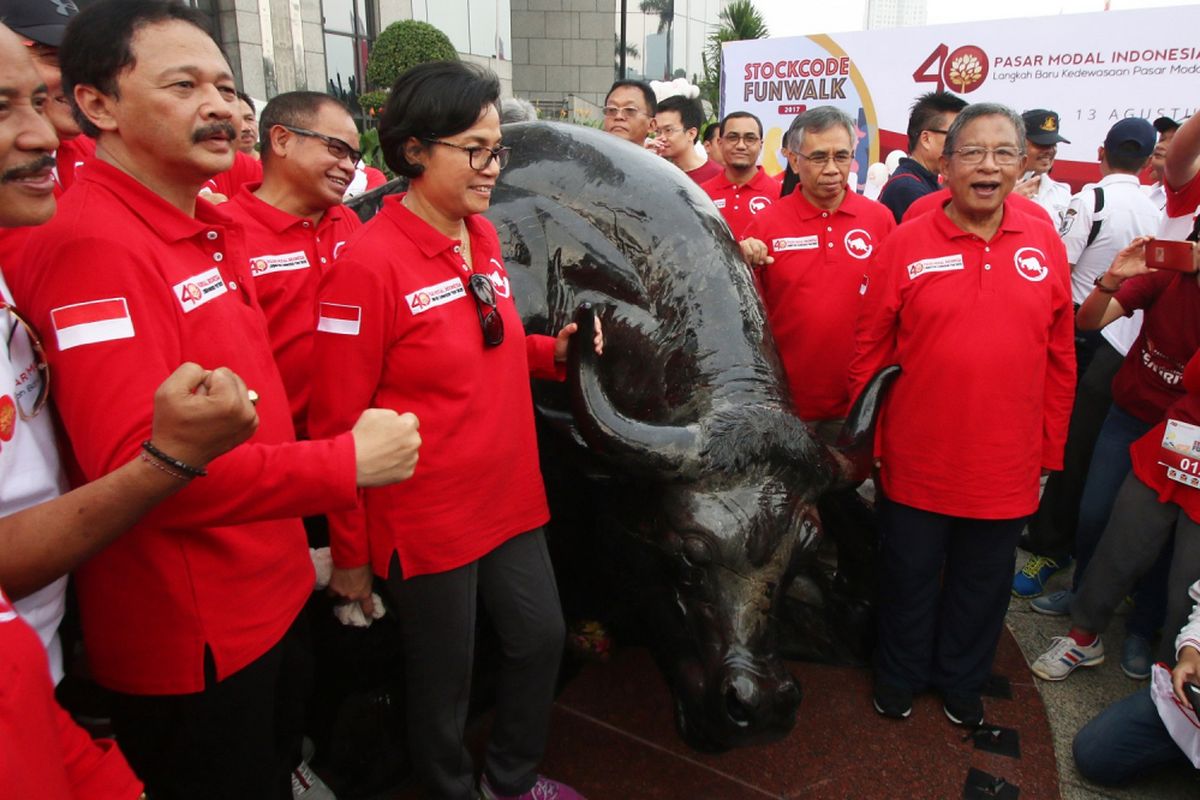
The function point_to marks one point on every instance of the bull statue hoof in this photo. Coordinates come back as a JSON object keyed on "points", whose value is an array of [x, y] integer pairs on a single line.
{"points": [[683, 430]]}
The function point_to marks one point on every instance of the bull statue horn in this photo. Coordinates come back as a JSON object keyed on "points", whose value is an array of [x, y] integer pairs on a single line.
{"points": [[671, 450], [856, 442]]}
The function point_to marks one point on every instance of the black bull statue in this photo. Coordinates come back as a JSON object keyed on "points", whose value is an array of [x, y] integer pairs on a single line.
{"points": [[682, 433]]}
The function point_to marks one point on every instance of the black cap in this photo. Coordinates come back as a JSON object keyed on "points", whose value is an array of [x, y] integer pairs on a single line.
{"points": [[1041, 127], [42, 21], [1165, 125], [1133, 130]]}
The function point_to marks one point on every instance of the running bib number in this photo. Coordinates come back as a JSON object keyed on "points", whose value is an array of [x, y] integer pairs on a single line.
{"points": [[1180, 453]]}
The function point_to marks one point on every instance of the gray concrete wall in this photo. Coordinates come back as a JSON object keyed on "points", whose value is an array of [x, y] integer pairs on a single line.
{"points": [[563, 48]]}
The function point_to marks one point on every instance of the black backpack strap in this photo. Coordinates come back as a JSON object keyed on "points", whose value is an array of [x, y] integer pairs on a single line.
{"points": [[1098, 191], [1194, 236]]}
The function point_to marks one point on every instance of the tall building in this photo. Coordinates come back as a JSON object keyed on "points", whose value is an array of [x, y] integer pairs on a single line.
{"points": [[556, 52], [894, 13]]}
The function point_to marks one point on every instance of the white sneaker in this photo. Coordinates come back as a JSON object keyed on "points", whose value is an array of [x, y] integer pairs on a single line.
{"points": [[1065, 655], [307, 785]]}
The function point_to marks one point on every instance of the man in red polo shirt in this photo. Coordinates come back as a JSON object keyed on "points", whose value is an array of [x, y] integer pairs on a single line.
{"points": [[813, 249], [678, 122], [743, 189], [191, 617], [974, 303], [296, 224]]}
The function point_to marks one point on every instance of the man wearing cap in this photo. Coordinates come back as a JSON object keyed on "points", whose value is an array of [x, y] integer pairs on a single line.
{"points": [[1041, 147], [743, 189], [1100, 220], [1156, 191]]}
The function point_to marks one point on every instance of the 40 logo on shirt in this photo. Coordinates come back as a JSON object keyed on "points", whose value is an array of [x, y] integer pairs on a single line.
{"points": [[199, 289], [1031, 264]]}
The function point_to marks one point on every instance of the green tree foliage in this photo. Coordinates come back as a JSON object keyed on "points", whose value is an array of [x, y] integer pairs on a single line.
{"points": [[402, 45], [740, 20]]}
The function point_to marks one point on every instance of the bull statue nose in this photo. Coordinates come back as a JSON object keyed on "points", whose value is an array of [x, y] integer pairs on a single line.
{"points": [[753, 698]]}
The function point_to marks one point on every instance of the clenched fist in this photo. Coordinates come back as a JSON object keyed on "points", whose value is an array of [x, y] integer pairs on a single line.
{"points": [[385, 446]]}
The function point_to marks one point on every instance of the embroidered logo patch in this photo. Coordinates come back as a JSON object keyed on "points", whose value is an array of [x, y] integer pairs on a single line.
{"points": [[859, 244], [339, 318], [758, 203], [1031, 264], [199, 289], [91, 322], [280, 262], [795, 243], [942, 264], [436, 295]]}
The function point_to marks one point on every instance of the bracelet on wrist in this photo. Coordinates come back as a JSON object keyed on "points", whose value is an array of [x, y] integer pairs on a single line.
{"points": [[181, 466], [1099, 284], [161, 467]]}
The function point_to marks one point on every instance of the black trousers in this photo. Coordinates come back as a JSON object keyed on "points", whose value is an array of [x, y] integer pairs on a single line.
{"points": [[437, 617], [239, 739], [944, 588], [1052, 528]]}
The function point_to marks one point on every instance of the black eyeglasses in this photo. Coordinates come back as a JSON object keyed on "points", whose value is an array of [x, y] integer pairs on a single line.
{"points": [[39, 361], [491, 322], [337, 148], [476, 152]]}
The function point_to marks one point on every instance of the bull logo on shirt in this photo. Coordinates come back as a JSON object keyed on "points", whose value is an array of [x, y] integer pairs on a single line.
{"points": [[1031, 264], [503, 287], [859, 244], [758, 203]]}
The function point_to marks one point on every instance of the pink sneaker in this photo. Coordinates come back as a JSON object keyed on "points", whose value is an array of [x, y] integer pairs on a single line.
{"points": [[544, 789]]}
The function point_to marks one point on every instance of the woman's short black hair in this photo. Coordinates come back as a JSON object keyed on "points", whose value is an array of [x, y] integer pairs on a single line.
{"points": [[97, 46], [431, 101]]}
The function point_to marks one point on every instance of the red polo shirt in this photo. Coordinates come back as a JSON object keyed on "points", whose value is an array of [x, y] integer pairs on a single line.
{"points": [[813, 291], [43, 753], [1151, 376], [1147, 452], [984, 334], [288, 255], [245, 169], [126, 287], [398, 328], [740, 204], [1184, 200], [706, 171], [939, 199]]}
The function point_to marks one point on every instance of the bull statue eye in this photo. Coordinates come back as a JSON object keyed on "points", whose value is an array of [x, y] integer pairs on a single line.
{"points": [[697, 551]]}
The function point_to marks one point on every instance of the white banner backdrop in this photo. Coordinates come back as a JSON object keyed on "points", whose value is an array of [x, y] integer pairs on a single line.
{"points": [[1093, 69]]}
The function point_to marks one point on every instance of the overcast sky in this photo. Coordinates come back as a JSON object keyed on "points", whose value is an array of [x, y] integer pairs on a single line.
{"points": [[797, 17]]}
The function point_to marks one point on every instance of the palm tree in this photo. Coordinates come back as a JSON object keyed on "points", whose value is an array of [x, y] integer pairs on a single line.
{"points": [[740, 20], [666, 22]]}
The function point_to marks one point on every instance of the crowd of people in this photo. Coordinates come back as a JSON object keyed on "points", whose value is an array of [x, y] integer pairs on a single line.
{"points": [[245, 368]]}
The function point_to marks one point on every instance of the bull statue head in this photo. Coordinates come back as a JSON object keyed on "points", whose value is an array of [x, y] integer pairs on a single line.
{"points": [[688, 405]]}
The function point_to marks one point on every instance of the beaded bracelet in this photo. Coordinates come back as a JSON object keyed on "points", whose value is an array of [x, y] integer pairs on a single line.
{"points": [[195, 472], [161, 467]]}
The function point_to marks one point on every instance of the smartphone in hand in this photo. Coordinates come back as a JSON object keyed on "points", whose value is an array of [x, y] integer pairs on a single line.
{"points": [[1192, 692], [1170, 254]]}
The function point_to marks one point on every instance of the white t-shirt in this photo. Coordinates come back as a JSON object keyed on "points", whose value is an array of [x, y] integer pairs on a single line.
{"points": [[1052, 196], [1126, 215], [30, 472]]}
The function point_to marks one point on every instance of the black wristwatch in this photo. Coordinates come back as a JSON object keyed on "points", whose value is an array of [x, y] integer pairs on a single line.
{"points": [[1099, 285]]}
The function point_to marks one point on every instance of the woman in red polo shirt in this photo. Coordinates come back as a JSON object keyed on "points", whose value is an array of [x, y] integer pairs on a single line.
{"points": [[418, 316]]}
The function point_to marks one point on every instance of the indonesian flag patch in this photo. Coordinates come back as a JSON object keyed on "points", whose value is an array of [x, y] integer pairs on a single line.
{"points": [[339, 318], [92, 322]]}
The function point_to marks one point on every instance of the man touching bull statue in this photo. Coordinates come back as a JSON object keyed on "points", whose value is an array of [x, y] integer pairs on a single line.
{"points": [[686, 427]]}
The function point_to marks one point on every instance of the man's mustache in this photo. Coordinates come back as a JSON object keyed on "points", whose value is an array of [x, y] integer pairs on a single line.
{"points": [[208, 131], [40, 164]]}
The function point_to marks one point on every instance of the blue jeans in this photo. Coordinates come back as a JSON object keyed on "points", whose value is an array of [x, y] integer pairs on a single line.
{"points": [[1127, 739], [1110, 464]]}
